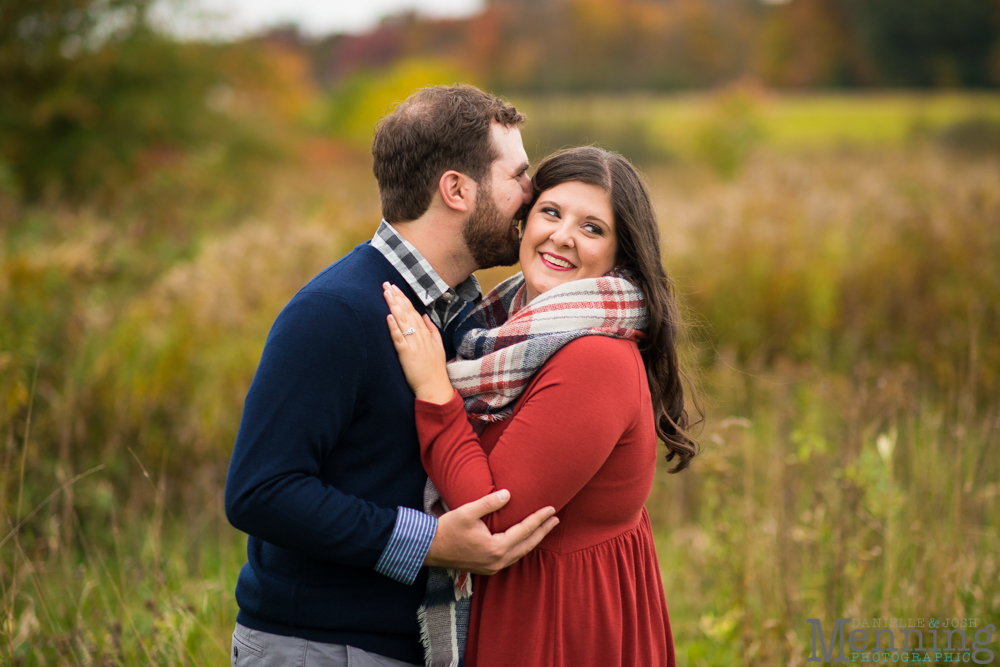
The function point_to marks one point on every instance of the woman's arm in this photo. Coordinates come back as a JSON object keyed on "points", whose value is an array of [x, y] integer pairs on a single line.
{"points": [[576, 410], [579, 405]]}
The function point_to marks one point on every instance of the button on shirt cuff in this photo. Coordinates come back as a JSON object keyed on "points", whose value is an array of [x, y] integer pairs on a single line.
{"points": [[408, 545]]}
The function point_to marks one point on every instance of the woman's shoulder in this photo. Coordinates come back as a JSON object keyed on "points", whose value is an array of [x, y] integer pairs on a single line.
{"points": [[596, 366], [601, 345], [599, 356]]}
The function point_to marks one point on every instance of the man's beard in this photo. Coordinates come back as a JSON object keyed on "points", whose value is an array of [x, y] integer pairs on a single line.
{"points": [[487, 234]]}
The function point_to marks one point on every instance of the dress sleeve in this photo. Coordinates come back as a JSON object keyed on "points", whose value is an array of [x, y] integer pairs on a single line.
{"points": [[576, 410]]}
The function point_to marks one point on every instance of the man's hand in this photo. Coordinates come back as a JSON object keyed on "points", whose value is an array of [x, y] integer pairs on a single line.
{"points": [[464, 542]]}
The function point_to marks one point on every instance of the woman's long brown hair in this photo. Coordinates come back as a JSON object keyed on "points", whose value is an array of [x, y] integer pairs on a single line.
{"points": [[639, 257]]}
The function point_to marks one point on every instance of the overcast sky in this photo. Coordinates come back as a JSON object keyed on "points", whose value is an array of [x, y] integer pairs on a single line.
{"points": [[227, 18]]}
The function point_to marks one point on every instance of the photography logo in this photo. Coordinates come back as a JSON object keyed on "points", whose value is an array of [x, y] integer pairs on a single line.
{"points": [[906, 640]]}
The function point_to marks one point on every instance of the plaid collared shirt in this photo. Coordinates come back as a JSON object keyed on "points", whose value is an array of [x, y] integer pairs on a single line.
{"points": [[443, 303], [412, 535]]}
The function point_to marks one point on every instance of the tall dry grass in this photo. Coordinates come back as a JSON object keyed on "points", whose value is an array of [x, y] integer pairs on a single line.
{"points": [[848, 306], [124, 360], [844, 305]]}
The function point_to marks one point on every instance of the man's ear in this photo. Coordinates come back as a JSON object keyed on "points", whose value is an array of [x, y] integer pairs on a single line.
{"points": [[458, 191]]}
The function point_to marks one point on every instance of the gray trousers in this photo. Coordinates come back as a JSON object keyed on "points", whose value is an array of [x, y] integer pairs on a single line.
{"points": [[252, 648]]}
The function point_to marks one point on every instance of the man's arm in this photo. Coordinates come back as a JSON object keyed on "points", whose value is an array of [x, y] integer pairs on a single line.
{"points": [[298, 407], [293, 410]]}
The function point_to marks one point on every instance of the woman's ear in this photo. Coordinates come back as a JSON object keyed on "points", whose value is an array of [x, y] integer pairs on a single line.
{"points": [[458, 191]]}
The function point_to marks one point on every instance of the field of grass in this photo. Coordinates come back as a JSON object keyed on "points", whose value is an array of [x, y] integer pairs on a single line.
{"points": [[839, 261], [655, 127]]}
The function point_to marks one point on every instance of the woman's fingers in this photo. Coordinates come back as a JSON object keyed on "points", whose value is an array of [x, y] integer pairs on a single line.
{"points": [[435, 334], [418, 343], [403, 307], [404, 317], [399, 306], [394, 331], [395, 307]]}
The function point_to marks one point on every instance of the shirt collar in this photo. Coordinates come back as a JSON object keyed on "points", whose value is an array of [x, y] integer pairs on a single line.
{"points": [[417, 271]]}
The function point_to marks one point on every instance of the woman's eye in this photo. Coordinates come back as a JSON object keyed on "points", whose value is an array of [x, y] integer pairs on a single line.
{"points": [[551, 211], [593, 229]]}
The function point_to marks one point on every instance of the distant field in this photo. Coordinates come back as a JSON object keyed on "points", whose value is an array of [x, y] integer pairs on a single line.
{"points": [[672, 124], [877, 120]]}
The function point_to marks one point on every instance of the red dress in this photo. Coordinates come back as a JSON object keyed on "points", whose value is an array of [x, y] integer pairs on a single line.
{"points": [[581, 438]]}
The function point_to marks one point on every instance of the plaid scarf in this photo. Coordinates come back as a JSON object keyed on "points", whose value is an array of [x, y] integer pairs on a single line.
{"points": [[505, 341], [443, 616]]}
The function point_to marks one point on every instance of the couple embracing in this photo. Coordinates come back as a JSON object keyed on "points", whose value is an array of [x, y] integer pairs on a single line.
{"points": [[534, 411]]}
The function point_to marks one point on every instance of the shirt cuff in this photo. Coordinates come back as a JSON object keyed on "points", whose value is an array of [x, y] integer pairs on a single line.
{"points": [[408, 545]]}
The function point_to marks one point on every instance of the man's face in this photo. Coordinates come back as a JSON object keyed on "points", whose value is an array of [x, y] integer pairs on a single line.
{"points": [[491, 232]]}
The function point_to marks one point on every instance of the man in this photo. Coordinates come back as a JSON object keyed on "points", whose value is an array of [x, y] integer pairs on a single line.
{"points": [[326, 475]]}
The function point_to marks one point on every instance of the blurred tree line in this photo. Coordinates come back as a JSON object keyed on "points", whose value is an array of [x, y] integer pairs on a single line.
{"points": [[86, 87], [607, 45], [93, 98]]}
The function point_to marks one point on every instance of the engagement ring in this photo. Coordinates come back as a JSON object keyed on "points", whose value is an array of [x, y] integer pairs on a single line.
{"points": [[409, 331]]}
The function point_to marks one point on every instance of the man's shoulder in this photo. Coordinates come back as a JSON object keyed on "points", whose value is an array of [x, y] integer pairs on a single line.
{"points": [[352, 269], [353, 282]]}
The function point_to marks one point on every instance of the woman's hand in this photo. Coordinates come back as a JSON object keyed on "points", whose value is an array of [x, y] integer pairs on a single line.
{"points": [[418, 343]]}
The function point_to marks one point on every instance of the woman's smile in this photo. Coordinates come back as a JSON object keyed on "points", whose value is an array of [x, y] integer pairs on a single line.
{"points": [[557, 262]]}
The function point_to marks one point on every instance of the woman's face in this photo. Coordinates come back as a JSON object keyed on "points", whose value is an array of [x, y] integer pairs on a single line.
{"points": [[569, 234]]}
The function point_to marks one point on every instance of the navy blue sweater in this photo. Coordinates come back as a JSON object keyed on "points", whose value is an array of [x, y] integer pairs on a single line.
{"points": [[326, 451]]}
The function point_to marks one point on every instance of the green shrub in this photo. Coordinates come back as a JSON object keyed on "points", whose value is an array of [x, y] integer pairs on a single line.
{"points": [[731, 131], [356, 105]]}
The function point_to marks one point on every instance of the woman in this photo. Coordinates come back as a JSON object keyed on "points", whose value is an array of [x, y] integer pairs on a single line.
{"points": [[571, 373]]}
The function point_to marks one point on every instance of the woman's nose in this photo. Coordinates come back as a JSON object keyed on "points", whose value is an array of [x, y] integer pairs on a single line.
{"points": [[562, 235]]}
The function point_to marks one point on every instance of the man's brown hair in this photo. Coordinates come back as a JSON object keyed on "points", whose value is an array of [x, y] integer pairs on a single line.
{"points": [[434, 130]]}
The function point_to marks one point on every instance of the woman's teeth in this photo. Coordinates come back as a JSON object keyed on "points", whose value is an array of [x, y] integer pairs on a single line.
{"points": [[555, 260]]}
